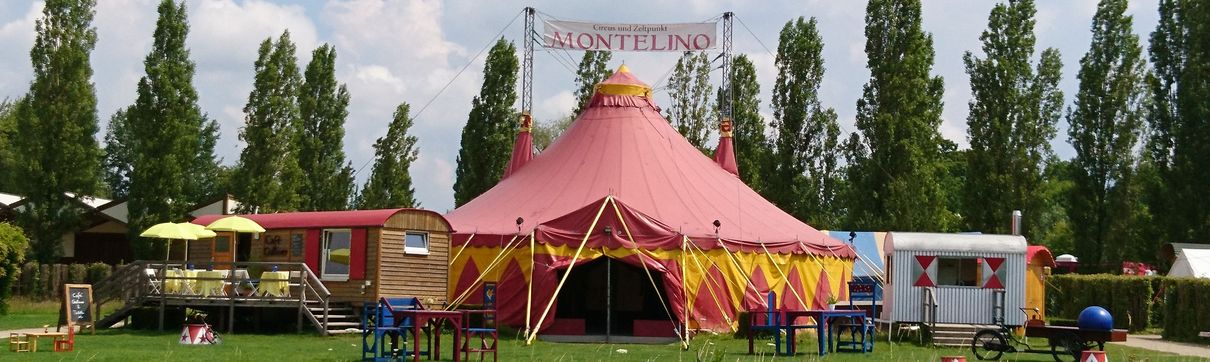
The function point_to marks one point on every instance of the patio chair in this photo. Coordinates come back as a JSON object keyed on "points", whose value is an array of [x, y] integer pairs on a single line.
{"points": [[484, 329], [771, 322], [863, 328], [18, 342], [66, 344], [153, 280]]}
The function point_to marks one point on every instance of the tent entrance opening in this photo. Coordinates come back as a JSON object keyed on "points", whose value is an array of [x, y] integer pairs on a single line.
{"points": [[609, 296]]}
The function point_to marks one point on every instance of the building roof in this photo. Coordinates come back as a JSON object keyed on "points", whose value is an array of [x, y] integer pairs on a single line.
{"points": [[1041, 252], [1170, 251], [320, 219], [622, 147], [964, 243], [8, 199]]}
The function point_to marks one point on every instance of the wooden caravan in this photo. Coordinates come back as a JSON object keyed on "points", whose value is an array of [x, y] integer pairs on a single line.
{"points": [[359, 255]]}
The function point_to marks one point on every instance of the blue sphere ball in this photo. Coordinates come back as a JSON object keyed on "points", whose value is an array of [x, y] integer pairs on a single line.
{"points": [[1095, 318]]}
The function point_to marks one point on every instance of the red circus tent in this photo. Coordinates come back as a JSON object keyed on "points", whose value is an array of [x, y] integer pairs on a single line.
{"points": [[624, 184]]}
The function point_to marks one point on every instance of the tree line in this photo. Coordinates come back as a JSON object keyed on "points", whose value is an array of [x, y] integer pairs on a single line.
{"points": [[1138, 125], [158, 153]]}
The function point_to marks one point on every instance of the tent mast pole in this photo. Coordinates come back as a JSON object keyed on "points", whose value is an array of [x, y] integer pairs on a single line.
{"points": [[684, 291], [529, 296], [591, 227], [638, 252]]}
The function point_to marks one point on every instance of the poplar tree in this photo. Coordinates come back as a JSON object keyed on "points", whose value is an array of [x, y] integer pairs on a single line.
{"points": [[805, 173], [689, 88], [748, 135], [390, 182], [54, 148], [119, 154], [1105, 123], [593, 69], [898, 159], [323, 105], [1179, 141], [1013, 112], [169, 141], [267, 177], [487, 138], [8, 130]]}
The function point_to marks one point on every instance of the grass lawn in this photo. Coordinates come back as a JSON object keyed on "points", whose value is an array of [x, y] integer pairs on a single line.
{"points": [[125, 345], [25, 313]]}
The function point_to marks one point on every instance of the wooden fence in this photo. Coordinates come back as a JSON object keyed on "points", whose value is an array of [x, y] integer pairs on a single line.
{"points": [[45, 281]]}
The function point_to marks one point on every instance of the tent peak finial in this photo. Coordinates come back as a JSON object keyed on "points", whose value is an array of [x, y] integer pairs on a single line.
{"points": [[623, 68]]}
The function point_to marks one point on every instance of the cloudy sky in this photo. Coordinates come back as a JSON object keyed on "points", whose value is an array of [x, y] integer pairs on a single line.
{"points": [[407, 51]]}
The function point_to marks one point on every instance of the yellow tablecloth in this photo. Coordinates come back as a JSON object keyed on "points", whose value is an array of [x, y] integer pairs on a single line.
{"points": [[180, 281], [210, 282], [276, 284]]}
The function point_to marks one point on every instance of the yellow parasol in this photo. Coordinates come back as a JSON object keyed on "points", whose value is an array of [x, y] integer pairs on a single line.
{"points": [[237, 224], [170, 231]]}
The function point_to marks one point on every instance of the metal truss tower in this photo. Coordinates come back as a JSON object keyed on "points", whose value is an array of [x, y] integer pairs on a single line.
{"points": [[725, 108], [527, 63]]}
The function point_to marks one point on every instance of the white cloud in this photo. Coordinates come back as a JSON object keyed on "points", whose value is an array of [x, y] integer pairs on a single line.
{"points": [[17, 36], [561, 103]]}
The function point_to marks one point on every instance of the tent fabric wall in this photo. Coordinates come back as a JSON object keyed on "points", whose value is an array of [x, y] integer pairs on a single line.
{"points": [[804, 273], [1191, 263]]}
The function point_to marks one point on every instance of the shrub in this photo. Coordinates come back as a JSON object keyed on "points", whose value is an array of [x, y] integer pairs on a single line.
{"points": [[77, 273], [1127, 298], [12, 252], [96, 272], [1186, 308]]}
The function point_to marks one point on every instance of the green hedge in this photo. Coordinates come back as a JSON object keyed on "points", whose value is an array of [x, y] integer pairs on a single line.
{"points": [[1127, 298], [1187, 308]]}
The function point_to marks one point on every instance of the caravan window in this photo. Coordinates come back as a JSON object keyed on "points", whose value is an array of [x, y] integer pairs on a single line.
{"points": [[962, 272], [336, 247]]}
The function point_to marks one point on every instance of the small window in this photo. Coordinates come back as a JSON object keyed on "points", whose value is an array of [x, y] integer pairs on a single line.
{"points": [[336, 249], [961, 272], [222, 244], [416, 243]]}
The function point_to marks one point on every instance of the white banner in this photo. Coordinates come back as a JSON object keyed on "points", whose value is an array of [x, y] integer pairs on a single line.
{"points": [[630, 37]]}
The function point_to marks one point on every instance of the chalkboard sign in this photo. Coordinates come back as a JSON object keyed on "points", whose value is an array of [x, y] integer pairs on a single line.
{"points": [[296, 245], [77, 306]]}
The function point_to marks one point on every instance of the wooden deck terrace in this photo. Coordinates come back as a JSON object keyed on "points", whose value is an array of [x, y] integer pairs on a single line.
{"points": [[161, 284]]}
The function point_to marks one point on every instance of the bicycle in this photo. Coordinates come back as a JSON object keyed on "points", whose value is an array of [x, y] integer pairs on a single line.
{"points": [[1066, 343]]}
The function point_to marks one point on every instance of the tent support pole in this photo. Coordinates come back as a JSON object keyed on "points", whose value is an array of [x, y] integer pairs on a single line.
{"points": [[783, 275], [534, 334], [490, 267], [735, 262], [529, 296], [711, 288], [639, 253], [684, 291], [459, 253]]}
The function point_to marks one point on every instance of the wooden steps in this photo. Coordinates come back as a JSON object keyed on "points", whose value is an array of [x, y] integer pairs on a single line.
{"points": [[956, 335]]}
